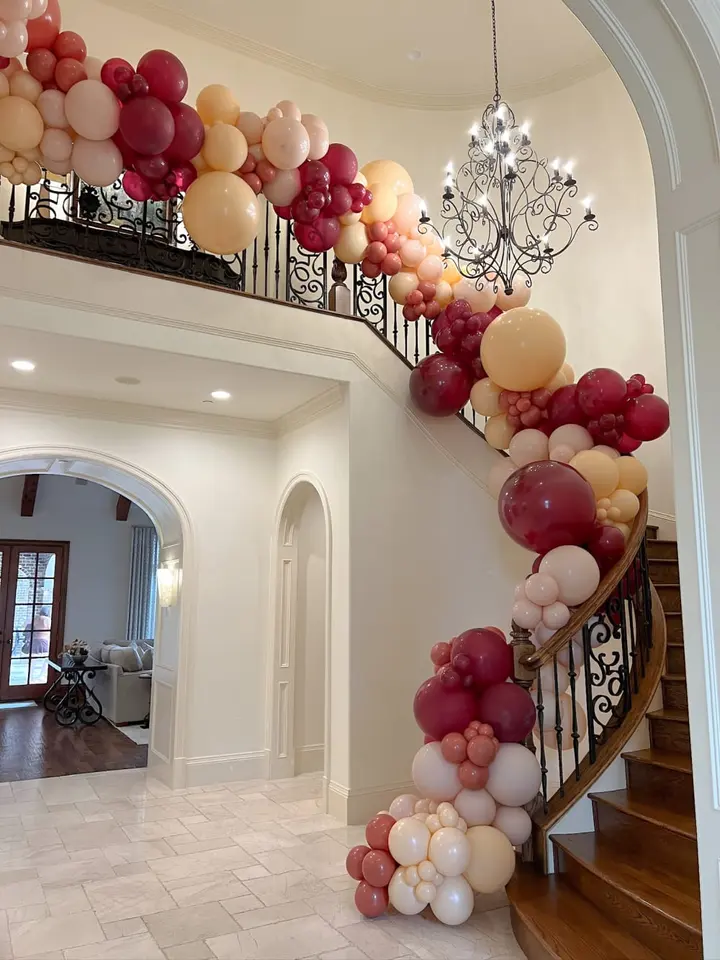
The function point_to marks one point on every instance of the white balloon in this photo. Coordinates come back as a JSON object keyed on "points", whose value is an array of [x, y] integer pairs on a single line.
{"points": [[433, 776], [515, 823], [449, 851], [402, 895], [476, 807], [408, 841], [403, 806], [454, 901], [515, 775]]}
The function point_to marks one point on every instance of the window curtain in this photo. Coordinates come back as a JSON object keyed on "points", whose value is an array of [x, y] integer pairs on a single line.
{"points": [[143, 584]]}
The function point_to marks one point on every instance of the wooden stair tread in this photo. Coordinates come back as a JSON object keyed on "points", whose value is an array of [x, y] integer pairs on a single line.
{"points": [[676, 716], [675, 898], [656, 813], [681, 762], [568, 926], [663, 559], [675, 677]]}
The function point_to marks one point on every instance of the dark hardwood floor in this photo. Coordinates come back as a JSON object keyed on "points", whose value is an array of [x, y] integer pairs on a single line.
{"points": [[33, 745]]}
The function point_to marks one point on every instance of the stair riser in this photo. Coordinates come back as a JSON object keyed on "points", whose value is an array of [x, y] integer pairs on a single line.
{"points": [[670, 735], [675, 694], [669, 597], [669, 940], [651, 531], [662, 550], [635, 837], [666, 571], [676, 660], [674, 626], [648, 782]]}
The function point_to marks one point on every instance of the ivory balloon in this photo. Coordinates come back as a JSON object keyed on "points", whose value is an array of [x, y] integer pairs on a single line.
{"points": [[528, 446], [514, 776], [485, 398], [571, 435], [454, 901], [515, 823], [352, 244], [216, 104], [480, 299], [403, 806], [557, 381], [624, 506], [319, 136], [433, 775], [476, 807], [225, 148], [633, 475], [97, 162], [409, 840], [519, 297], [383, 206], [23, 84], [390, 174], [284, 188], [568, 372], [402, 895], [575, 571], [492, 858], [449, 851], [93, 67], [601, 472], [499, 472], [498, 432], [21, 125], [286, 143], [402, 284], [92, 110], [221, 213], [523, 349]]}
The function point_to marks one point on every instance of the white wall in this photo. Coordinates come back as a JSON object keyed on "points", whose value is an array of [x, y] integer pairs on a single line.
{"points": [[99, 567]]}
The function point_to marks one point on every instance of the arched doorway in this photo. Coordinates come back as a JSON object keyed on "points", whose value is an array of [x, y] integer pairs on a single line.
{"points": [[170, 520], [299, 670]]}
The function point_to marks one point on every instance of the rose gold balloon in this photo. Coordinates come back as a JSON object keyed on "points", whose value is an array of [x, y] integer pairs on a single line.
{"points": [[371, 901], [471, 776], [378, 868], [378, 831], [354, 861], [454, 747]]}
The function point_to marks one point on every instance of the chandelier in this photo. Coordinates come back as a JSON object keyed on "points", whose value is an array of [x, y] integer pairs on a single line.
{"points": [[508, 214]]}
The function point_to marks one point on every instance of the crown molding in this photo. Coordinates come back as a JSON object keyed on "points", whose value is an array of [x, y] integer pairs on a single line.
{"points": [[310, 410], [253, 49]]}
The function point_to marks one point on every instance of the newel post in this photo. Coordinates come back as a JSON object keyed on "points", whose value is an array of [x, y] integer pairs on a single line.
{"points": [[522, 647], [340, 297]]}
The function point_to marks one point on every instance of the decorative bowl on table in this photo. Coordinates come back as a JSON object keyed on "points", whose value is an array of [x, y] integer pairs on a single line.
{"points": [[78, 654]]}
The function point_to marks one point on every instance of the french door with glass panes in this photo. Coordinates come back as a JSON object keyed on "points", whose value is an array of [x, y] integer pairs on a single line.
{"points": [[33, 582]]}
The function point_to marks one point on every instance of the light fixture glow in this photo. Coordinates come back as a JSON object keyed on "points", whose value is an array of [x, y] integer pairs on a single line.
{"points": [[23, 366], [569, 167], [588, 202], [483, 201], [474, 130], [220, 395], [525, 129]]}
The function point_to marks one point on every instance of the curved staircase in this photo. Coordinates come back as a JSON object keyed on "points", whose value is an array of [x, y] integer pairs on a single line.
{"points": [[630, 888]]}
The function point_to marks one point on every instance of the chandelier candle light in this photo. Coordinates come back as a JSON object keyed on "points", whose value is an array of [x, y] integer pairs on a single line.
{"points": [[507, 212]]}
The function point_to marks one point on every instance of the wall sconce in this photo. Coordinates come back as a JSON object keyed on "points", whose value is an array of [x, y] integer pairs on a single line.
{"points": [[167, 585]]}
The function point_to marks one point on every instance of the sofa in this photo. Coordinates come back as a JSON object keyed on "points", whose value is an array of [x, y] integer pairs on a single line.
{"points": [[124, 688]]}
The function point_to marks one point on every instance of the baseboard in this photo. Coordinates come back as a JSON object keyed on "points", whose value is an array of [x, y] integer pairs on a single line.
{"points": [[309, 759], [224, 768], [358, 806]]}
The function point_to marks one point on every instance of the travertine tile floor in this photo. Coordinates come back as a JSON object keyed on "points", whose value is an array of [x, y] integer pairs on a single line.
{"points": [[116, 865]]}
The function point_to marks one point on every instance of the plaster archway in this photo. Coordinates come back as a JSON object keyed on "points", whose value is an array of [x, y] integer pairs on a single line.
{"points": [[176, 549], [667, 52]]}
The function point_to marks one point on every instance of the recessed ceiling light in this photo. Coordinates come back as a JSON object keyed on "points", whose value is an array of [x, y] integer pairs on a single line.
{"points": [[220, 395], [127, 381], [24, 366], [414, 55]]}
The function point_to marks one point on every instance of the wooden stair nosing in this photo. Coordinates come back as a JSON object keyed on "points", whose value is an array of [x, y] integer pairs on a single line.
{"points": [[680, 762], [673, 716], [682, 825]]}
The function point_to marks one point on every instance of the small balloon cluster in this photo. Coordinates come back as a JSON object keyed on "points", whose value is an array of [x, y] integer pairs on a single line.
{"points": [[14, 32]]}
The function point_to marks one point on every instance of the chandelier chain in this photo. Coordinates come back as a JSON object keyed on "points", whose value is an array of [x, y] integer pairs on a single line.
{"points": [[495, 51]]}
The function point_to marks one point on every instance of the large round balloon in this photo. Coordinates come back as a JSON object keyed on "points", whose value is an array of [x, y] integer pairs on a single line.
{"points": [[487, 658], [216, 104], [523, 349], [601, 391], [92, 110], [515, 775], [440, 386], [147, 125], [389, 174], [646, 417], [409, 840], [546, 505], [97, 162], [440, 709], [492, 859], [21, 125], [166, 76], [574, 570], [434, 776], [221, 213], [286, 143], [510, 711]]}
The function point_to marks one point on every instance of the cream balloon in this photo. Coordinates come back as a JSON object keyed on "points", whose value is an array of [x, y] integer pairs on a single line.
{"points": [[601, 472], [217, 104], [225, 147], [485, 398], [443, 293], [498, 432], [454, 901], [480, 299], [23, 84], [519, 297], [523, 349], [402, 284], [251, 126], [21, 125], [221, 213], [633, 475], [499, 473], [425, 891], [390, 174], [433, 775], [284, 188], [571, 435], [286, 143], [409, 840], [383, 206], [402, 895], [492, 858], [514, 776], [575, 571], [352, 244], [4, 86], [409, 210], [515, 823], [528, 446], [568, 372], [97, 162], [92, 110], [412, 254], [319, 136], [624, 506], [403, 806], [15, 41], [451, 274], [557, 381], [449, 851]]}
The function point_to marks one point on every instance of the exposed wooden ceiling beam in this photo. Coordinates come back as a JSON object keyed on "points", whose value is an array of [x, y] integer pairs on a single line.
{"points": [[30, 487], [122, 511]]}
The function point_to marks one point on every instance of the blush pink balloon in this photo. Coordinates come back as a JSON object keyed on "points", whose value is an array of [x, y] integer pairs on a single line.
{"points": [[97, 162], [51, 104], [319, 138], [431, 268], [412, 253], [284, 188], [92, 110], [542, 589], [526, 614], [408, 213], [56, 145], [555, 616], [286, 143]]}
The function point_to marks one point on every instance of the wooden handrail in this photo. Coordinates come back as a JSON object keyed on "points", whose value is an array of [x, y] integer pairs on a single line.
{"points": [[608, 585]]}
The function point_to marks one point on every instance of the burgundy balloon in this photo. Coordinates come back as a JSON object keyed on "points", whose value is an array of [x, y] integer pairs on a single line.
{"points": [[314, 173], [601, 391], [189, 133], [340, 200], [354, 861], [107, 74], [626, 444], [185, 175], [440, 386], [153, 168], [509, 710], [341, 162], [547, 504], [489, 657], [147, 125], [378, 867], [536, 564], [378, 830], [285, 213], [440, 709], [647, 417], [319, 236], [564, 408], [371, 901], [128, 154], [607, 545], [166, 76], [137, 187], [139, 87]]}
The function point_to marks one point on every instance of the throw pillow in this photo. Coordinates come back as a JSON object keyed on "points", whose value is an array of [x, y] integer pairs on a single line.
{"points": [[126, 657], [146, 655]]}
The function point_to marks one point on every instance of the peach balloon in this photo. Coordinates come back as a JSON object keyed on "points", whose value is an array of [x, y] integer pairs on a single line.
{"points": [[32, 174], [221, 213], [571, 435], [481, 300], [225, 148], [492, 858], [4, 86], [485, 398], [402, 284], [451, 273], [274, 113], [20, 164], [523, 349], [443, 293], [352, 244], [453, 902], [92, 110], [499, 473], [97, 162], [250, 126], [289, 109], [56, 145], [528, 446], [408, 213], [21, 125], [608, 451], [430, 269], [412, 253], [390, 174], [568, 372], [601, 472], [476, 807], [576, 573], [284, 188], [541, 589], [6, 156], [23, 84], [557, 381], [51, 104], [498, 432], [624, 506], [632, 474], [286, 143], [519, 297], [383, 206], [216, 104], [319, 137]]}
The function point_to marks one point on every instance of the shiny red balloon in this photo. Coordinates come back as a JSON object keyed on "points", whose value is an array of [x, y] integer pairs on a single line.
{"points": [[547, 504], [378, 830], [147, 125], [70, 44], [440, 709], [564, 408], [354, 861], [137, 187], [153, 168], [378, 868], [647, 417], [166, 75], [626, 444], [601, 391], [319, 236], [189, 133], [371, 901], [341, 162], [484, 655], [41, 65], [510, 711], [607, 545], [108, 73], [43, 30], [185, 175], [440, 386], [68, 72]]}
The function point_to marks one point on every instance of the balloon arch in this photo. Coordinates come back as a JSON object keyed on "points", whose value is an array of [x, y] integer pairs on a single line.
{"points": [[568, 491]]}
